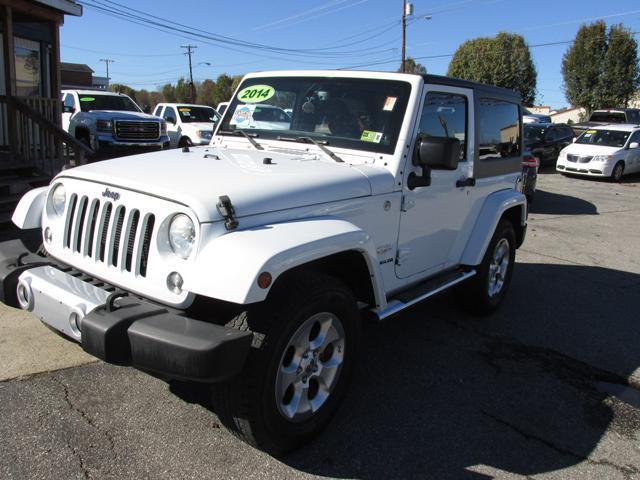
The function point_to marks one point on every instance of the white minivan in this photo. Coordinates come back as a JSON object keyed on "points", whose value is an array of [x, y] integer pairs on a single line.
{"points": [[188, 124], [605, 151]]}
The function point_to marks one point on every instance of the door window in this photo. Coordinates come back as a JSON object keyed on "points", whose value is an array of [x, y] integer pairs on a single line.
{"points": [[635, 137], [499, 129], [170, 115], [445, 115], [69, 102]]}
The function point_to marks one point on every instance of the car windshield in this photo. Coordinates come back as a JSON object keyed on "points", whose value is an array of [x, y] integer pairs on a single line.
{"points": [[533, 134], [604, 138], [107, 102], [362, 114], [608, 117], [197, 114]]}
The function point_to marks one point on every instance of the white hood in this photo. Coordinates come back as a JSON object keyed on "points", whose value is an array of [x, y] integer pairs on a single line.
{"points": [[584, 149], [197, 179]]}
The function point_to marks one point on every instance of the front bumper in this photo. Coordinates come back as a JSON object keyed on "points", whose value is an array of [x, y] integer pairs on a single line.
{"points": [[121, 329], [103, 141], [591, 169]]}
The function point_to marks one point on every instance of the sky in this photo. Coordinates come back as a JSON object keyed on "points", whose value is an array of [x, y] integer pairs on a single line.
{"points": [[357, 34]]}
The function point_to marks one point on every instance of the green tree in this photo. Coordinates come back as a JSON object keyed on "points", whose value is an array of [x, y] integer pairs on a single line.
{"points": [[182, 91], [206, 93], [411, 66], [121, 88], [168, 93], [503, 60], [600, 69]]}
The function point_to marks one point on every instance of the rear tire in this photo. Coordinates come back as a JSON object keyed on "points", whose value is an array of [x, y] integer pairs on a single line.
{"points": [[305, 344], [483, 293]]}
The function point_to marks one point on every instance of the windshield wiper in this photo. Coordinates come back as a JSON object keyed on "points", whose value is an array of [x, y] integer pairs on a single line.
{"points": [[320, 145], [255, 144]]}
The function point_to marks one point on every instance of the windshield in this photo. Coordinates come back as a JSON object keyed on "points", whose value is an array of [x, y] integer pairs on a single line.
{"points": [[197, 114], [107, 102], [533, 134], [604, 138], [608, 117], [353, 113]]}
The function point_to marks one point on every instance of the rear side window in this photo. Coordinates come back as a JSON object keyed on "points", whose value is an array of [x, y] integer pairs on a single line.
{"points": [[608, 117], [499, 123], [445, 115]]}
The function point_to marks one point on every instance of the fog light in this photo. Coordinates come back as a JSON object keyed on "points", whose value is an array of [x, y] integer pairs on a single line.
{"points": [[48, 236], [175, 282], [25, 295]]}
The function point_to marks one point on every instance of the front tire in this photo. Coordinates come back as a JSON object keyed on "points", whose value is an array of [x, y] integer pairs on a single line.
{"points": [[305, 344], [484, 292], [617, 172]]}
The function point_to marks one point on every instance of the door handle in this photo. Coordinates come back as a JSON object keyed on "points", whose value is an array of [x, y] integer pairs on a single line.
{"points": [[467, 182]]}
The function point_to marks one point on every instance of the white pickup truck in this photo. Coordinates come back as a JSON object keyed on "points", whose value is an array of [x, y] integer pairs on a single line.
{"points": [[187, 124], [250, 263]]}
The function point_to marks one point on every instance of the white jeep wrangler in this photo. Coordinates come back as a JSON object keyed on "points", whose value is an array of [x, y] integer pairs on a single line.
{"points": [[249, 263]]}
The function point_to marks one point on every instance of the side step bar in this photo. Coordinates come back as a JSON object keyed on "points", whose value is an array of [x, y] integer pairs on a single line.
{"points": [[423, 291]]}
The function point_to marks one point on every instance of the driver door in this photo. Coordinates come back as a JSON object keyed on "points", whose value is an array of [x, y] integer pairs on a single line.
{"points": [[431, 236]]}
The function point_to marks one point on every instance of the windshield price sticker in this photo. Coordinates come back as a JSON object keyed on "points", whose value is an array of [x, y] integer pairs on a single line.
{"points": [[87, 99], [390, 104], [243, 115], [369, 136], [256, 94], [184, 109]]}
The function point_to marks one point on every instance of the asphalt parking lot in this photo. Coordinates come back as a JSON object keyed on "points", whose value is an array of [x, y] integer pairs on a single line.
{"points": [[549, 387]]}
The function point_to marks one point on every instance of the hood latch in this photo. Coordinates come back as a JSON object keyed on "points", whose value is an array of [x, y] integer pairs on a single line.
{"points": [[226, 210]]}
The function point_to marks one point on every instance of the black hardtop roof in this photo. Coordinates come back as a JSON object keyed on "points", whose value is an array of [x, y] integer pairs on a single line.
{"points": [[491, 90]]}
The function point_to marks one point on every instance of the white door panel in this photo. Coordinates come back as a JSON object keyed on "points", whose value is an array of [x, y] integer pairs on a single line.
{"points": [[434, 218]]}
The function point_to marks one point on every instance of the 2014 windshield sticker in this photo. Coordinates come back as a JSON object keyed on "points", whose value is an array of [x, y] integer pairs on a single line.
{"points": [[256, 94], [369, 136], [87, 99]]}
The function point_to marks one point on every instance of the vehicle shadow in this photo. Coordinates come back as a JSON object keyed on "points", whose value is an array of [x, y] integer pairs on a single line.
{"points": [[557, 204], [634, 178], [441, 394]]}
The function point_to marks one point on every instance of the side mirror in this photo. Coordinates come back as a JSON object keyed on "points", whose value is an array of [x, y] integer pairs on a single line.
{"points": [[171, 120], [574, 139], [69, 110], [634, 145], [440, 153]]}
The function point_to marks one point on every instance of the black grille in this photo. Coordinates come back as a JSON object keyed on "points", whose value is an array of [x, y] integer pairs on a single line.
{"points": [[109, 233], [130, 130]]}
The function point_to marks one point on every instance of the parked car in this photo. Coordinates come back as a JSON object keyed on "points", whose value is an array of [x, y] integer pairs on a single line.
{"points": [[545, 140], [608, 151], [188, 124], [108, 121], [250, 265], [528, 117], [608, 116], [530, 166]]}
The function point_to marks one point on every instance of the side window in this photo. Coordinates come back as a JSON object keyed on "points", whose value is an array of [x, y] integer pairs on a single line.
{"points": [[499, 129], [157, 111], [68, 101], [445, 115], [170, 115]]}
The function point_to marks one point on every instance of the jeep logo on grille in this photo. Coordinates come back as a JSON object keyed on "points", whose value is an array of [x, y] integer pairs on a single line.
{"points": [[112, 195]]}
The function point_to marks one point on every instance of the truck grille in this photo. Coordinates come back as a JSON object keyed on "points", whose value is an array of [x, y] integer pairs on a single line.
{"points": [[140, 131], [110, 234]]}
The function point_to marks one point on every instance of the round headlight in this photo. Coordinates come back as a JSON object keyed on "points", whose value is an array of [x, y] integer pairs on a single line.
{"points": [[182, 234], [58, 199]]}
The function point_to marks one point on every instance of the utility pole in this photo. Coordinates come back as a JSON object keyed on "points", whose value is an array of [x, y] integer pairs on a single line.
{"points": [[190, 49], [404, 33], [107, 61]]}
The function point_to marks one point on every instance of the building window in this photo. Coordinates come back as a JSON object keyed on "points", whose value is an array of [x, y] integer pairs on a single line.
{"points": [[499, 129], [28, 68]]}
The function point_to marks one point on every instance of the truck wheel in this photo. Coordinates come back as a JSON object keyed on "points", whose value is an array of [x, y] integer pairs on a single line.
{"points": [[305, 344], [484, 292], [618, 172]]}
